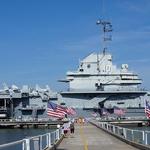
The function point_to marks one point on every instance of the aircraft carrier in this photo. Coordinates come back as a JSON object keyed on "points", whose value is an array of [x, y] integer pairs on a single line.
{"points": [[98, 83], [26, 103]]}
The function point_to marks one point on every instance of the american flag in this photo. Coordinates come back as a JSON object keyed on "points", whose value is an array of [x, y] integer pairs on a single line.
{"points": [[71, 111], [55, 110], [105, 112], [119, 111], [147, 109], [94, 114]]}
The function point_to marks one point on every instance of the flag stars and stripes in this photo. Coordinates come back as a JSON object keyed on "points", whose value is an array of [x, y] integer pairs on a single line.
{"points": [[119, 111], [147, 109], [55, 110]]}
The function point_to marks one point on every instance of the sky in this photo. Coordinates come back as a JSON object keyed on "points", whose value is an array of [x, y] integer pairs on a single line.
{"points": [[41, 40]]}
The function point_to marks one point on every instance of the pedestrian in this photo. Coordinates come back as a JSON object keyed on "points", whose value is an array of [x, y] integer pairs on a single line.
{"points": [[83, 121], [66, 129], [72, 127]]}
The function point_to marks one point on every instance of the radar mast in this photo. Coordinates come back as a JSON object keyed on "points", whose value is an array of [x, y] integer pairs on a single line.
{"points": [[107, 29]]}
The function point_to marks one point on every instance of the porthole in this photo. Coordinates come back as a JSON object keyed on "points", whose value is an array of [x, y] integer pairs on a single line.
{"points": [[88, 66]]}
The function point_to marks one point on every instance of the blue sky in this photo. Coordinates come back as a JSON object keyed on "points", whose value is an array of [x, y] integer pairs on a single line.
{"points": [[41, 40]]}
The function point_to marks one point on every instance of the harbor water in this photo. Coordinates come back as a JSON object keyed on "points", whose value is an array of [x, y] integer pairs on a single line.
{"points": [[11, 135]]}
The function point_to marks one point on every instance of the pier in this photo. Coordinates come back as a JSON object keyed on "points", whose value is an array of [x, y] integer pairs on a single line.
{"points": [[92, 135], [5, 123], [89, 137], [129, 122]]}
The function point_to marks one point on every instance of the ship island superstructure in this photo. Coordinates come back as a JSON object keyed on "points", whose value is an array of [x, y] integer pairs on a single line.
{"points": [[99, 83], [96, 72]]}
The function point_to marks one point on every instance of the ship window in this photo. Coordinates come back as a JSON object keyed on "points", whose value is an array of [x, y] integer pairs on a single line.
{"points": [[96, 84], [120, 103], [62, 103], [108, 68], [88, 66], [81, 70]]}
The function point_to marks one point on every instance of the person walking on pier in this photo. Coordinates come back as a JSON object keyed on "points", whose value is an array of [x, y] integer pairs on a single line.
{"points": [[72, 127], [66, 128]]}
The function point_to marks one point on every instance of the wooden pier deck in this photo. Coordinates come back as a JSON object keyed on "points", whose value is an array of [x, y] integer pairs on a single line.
{"points": [[89, 137]]}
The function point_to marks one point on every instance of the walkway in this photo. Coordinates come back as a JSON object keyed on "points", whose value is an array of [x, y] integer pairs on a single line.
{"points": [[88, 137]]}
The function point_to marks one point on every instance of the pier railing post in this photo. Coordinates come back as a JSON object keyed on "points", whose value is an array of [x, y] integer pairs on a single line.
{"points": [[100, 124], [132, 135], [26, 144], [106, 126], [36, 143], [143, 137], [41, 142], [113, 129], [146, 143], [57, 134], [49, 140], [62, 131], [117, 130], [125, 133]]}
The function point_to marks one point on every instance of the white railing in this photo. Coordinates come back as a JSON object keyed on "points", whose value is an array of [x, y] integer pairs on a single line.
{"points": [[137, 136], [40, 142]]}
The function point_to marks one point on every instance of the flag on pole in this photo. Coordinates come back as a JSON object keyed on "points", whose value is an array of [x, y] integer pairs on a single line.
{"points": [[55, 110], [147, 109], [119, 111], [94, 114], [105, 112], [71, 111]]}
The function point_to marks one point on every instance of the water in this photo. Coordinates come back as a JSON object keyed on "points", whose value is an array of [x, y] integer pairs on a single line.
{"points": [[10, 135]]}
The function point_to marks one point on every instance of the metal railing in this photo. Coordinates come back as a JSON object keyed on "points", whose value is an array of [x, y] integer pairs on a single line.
{"points": [[40, 142], [137, 136]]}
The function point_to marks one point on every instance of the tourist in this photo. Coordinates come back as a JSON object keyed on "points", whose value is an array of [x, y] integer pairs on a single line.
{"points": [[72, 127], [66, 128]]}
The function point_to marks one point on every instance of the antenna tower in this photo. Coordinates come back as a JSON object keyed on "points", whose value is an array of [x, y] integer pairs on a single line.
{"points": [[107, 29]]}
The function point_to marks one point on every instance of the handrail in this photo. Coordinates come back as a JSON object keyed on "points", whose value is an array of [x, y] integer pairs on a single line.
{"points": [[125, 133], [41, 142], [11, 143]]}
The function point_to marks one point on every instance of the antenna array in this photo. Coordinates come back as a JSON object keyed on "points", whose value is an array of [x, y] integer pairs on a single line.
{"points": [[107, 29]]}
